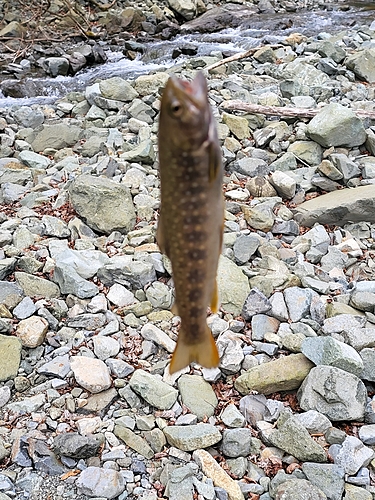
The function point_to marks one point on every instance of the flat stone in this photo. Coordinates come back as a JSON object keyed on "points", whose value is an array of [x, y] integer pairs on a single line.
{"points": [[74, 445], [338, 207], [298, 301], [232, 417], [24, 309], [105, 347], [156, 392], [158, 336], [197, 395], [59, 366], [27, 405], [33, 286], [192, 437], [283, 374], [120, 296], [90, 373], [10, 354], [134, 441], [239, 443], [238, 125], [256, 303], [57, 136], [295, 489]]}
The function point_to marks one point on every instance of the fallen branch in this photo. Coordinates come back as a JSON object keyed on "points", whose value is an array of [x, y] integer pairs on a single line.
{"points": [[241, 55], [284, 111]]}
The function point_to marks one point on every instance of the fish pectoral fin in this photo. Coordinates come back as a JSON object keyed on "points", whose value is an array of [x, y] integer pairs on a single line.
{"points": [[214, 156], [215, 299], [205, 352]]}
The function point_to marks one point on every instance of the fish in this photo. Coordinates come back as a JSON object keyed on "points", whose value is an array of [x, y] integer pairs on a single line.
{"points": [[190, 226]]}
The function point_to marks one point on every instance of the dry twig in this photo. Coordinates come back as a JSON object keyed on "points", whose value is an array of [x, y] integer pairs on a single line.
{"points": [[283, 110]]}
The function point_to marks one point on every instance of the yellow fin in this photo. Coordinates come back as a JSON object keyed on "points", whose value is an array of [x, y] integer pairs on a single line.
{"points": [[215, 299], [205, 352], [174, 309]]}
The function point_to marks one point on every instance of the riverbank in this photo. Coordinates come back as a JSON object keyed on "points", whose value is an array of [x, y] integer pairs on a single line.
{"points": [[88, 407]]}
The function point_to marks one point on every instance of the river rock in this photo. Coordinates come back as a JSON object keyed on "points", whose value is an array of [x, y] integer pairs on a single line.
{"points": [[327, 477], [336, 393], [105, 205], [192, 437], [233, 286], [336, 125], [283, 374], [284, 185], [150, 84], [118, 89], [76, 446], [105, 347], [10, 353], [101, 483], [361, 64], [314, 421], [197, 395], [10, 294], [294, 489], [238, 125], [186, 8], [34, 160], [293, 438], [155, 334], [28, 405], [90, 373], [332, 352], [339, 207], [59, 366], [156, 392], [220, 478], [33, 286], [352, 455], [133, 440], [232, 417], [356, 493], [57, 136], [32, 331], [238, 443]]}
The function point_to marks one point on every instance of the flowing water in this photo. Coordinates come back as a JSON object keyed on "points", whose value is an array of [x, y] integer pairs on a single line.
{"points": [[265, 28]]}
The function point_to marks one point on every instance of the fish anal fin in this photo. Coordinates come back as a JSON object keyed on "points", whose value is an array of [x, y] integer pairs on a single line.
{"points": [[214, 154], [215, 299], [174, 309], [160, 236], [205, 352]]}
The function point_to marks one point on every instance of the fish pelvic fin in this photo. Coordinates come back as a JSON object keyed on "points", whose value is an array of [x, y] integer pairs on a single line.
{"points": [[215, 299], [205, 352]]}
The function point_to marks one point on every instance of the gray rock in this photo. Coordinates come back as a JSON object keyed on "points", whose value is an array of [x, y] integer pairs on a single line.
{"points": [[353, 455], [314, 422], [347, 167], [87, 321], [244, 247], [34, 160], [10, 353], [90, 373], [59, 366], [7, 267], [105, 205], [52, 226], [284, 185], [336, 125], [23, 238], [76, 446], [359, 338], [33, 286], [361, 64], [356, 493], [159, 295], [56, 136], [156, 392], [366, 434], [233, 286], [261, 325], [251, 167], [134, 441], [24, 309], [368, 359], [197, 395], [332, 352], [186, 8], [283, 374], [150, 84], [100, 482], [306, 151], [120, 296], [337, 394], [119, 368], [232, 417], [295, 489], [293, 438], [192, 437], [256, 303], [143, 153], [327, 477], [28, 117], [56, 65], [343, 323], [28, 405], [124, 270], [239, 443], [298, 301], [158, 336], [70, 281], [339, 207], [10, 294], [4, 398]]}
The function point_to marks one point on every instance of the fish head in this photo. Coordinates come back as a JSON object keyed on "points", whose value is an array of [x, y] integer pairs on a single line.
{"points": [[185, 112]]}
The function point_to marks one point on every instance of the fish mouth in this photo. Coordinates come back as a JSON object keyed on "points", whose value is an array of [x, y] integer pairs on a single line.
{"points": [[195, 91]]}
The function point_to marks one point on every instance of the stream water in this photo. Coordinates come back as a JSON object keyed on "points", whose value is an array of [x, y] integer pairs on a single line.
{"points": [[265, 28]]}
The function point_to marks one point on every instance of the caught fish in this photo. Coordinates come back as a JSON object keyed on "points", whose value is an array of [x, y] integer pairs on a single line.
{"points": [[191, 219]]}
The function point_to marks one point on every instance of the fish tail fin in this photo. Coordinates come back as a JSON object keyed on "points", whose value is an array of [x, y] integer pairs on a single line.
{"points": [[205, 352], [215, 299]]}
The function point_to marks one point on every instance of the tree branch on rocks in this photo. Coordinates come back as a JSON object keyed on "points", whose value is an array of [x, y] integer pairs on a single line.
{"points": [[241, 55], [236, 105], [100, 6]]}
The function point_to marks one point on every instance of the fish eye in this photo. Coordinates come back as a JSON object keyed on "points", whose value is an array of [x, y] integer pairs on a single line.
{"points": [[176, 108]]}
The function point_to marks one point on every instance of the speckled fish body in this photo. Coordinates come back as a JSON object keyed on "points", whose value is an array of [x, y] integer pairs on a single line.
{"points": [[192, 210]]}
